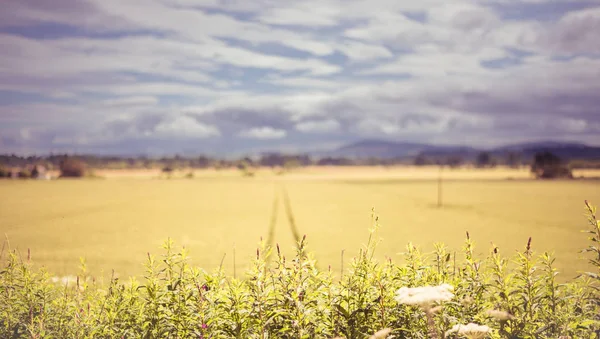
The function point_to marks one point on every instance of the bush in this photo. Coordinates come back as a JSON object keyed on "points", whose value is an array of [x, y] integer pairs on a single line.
{"points": [[72, 168], [279, 297], [35, 172], [484, 160], [24, 174], [168, 171], [546, 165], [246, 168], [421, 160]]}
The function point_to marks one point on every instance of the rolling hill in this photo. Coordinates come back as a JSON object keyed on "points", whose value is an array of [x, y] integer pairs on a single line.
{"points": [[398, 150]]}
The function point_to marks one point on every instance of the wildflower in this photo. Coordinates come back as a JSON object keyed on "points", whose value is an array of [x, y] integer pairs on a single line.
{"points": [[436, 309], [500, 315], [424, 296], [470, 331], [68, 280], [468, 300], [381, 334]]}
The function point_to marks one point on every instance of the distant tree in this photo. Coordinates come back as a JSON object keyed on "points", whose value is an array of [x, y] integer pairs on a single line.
{"points": [[454, 161], [272, 160], [148, 164], [328, 161], [484, 159], [202, 162], [547, 165], [422, 160], [219, 164], [168, 170], [35, 172], [302, 160], [291, 163], [24, 174], [132, 163], [585, 164], [72, 168], [246, 168], [513, 160]]}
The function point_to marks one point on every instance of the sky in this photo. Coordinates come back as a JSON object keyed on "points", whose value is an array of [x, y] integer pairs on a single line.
{"points": [[233, 76]]}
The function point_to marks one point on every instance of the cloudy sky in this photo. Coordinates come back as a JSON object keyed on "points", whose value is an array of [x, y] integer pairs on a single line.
{"points": [[226, 76]]}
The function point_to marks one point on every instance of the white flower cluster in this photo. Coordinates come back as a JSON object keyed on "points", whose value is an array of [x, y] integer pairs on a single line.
{"points": [[424, 296], [68, 280], [500, 315], [381, 334], [470, 331]]}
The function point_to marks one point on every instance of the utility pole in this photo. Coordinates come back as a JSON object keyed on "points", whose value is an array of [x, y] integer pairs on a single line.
{"points": [[439, 200]]}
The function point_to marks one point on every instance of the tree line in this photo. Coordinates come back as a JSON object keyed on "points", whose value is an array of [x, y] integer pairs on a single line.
{"points": [[77, 165]]}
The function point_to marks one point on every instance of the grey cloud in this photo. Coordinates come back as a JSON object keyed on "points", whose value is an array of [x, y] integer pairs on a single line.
{"points": [[26, 12], [66, 12], [148, 122], [576, 32], [449, 98], [117, 127], [139, 124], [236, 118]]}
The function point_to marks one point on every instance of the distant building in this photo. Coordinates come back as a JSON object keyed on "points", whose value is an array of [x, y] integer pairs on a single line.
{"points": [[40, 172]]}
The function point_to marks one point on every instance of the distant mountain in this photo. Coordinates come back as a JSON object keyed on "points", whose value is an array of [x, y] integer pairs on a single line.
{"points": [[398, 150], [542, 145], [380, 149], [390, 149]]}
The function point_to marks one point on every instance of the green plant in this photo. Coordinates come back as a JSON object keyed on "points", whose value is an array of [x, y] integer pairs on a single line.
{"points": [[432, 295]]}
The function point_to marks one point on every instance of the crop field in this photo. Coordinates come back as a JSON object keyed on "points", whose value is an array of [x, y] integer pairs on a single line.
{"points": [[221, 217]]}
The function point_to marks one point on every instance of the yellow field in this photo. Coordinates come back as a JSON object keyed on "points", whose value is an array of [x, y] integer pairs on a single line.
{"points": [[113, 223]]}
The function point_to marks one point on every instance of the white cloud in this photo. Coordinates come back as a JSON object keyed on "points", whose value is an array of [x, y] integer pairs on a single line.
{"points": [[318, 126], [576, 32], [149, 55], [358, 51], [303, 14], [185, 127], [302, 82], [417, 70], [463, 16], [371, 126], [132, 101], [429, 61], [264, 132]]}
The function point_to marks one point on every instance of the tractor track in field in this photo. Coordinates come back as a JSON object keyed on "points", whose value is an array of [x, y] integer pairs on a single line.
{"points": [[290, 215], [273, 221], [281, 193]]}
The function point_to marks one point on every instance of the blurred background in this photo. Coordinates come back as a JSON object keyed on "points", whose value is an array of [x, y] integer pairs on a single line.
{"points": [[217, 123]]}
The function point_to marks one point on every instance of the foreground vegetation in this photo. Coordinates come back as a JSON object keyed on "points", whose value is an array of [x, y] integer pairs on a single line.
{"points": [[281, 297]]}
